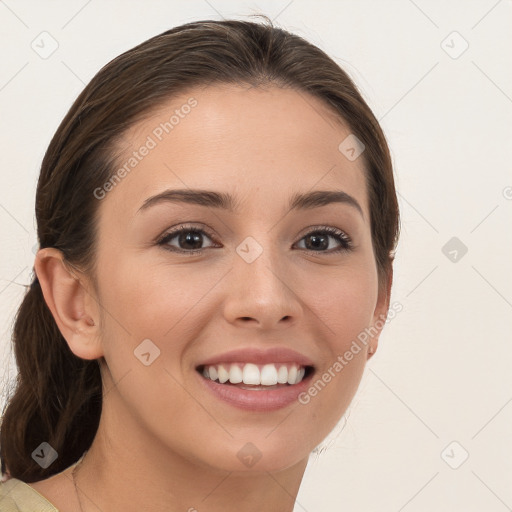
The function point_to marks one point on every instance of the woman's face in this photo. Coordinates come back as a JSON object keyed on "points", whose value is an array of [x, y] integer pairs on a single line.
{"points": [[266, 276]]}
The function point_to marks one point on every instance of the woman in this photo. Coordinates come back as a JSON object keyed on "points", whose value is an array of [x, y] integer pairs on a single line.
{"points": [[217, 221]]}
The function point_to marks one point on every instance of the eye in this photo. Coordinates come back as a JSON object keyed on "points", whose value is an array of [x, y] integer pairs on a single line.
{"points": [[189, 240], [319, 239]]}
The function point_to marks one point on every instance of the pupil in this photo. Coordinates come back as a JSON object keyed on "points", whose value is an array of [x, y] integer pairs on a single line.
{"points": [[316, 239], [194, 239]]}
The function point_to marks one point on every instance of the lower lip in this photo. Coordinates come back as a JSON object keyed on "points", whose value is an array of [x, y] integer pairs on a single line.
{"points": [[257, 400]]}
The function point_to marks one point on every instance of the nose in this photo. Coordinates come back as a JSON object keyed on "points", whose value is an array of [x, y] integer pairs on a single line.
{"points": [[262, 293]]}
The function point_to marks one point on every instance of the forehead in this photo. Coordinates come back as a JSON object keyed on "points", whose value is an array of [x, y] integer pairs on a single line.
{"points": [[261, 145]]}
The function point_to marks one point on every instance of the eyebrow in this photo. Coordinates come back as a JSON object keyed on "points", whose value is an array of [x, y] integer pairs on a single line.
{"points": [[222, 200]]}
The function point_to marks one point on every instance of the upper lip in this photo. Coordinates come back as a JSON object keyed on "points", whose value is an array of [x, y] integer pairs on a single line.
{"points": [[259, 356]]}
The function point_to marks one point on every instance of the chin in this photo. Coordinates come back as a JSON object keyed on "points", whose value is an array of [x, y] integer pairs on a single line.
{"points": [[258, 453]]}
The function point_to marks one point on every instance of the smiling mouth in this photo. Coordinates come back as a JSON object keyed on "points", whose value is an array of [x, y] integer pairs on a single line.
{"points": [[256, 376]]}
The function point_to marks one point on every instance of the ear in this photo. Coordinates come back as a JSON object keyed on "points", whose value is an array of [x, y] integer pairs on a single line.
{"points": [[380, 314], [73, 306]]}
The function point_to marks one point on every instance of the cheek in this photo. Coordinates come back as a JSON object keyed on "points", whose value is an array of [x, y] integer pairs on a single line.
{"points": [[345, 307], [151, 299], [141, 303], [345, 302]]}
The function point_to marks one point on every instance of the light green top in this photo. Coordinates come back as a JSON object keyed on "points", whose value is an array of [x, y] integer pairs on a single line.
{"points": [[17, 496]]}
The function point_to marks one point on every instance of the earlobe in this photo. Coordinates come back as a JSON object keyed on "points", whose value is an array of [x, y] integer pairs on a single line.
{"points": [[75, 314]]}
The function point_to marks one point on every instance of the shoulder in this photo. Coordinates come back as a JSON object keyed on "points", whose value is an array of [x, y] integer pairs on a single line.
{"points": [[17, 496]]}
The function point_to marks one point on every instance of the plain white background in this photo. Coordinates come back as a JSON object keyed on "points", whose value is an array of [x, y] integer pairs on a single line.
{"points": [[439, 388]]}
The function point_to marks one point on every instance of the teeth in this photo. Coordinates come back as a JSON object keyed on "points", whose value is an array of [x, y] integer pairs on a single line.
{"points": [[255, 375], [235, 374], [282, 375], [223, 374], [292, 375], [251, 374], [269, 375]]}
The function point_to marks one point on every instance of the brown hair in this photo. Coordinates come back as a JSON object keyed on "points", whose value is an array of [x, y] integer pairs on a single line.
{"points": [[58, 396]]}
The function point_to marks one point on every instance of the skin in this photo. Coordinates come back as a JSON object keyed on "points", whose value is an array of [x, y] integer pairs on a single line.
{"points": [[175, 445]]}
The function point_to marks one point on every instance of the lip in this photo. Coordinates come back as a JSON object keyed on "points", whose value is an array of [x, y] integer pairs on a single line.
{"points": [[259, 356], [257, 400]]}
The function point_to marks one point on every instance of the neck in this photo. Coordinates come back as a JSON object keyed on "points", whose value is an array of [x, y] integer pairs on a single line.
{"points": [[127, 469]]}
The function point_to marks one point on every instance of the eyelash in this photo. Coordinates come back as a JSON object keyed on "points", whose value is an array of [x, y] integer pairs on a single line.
{"points": [[346, 242]]}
